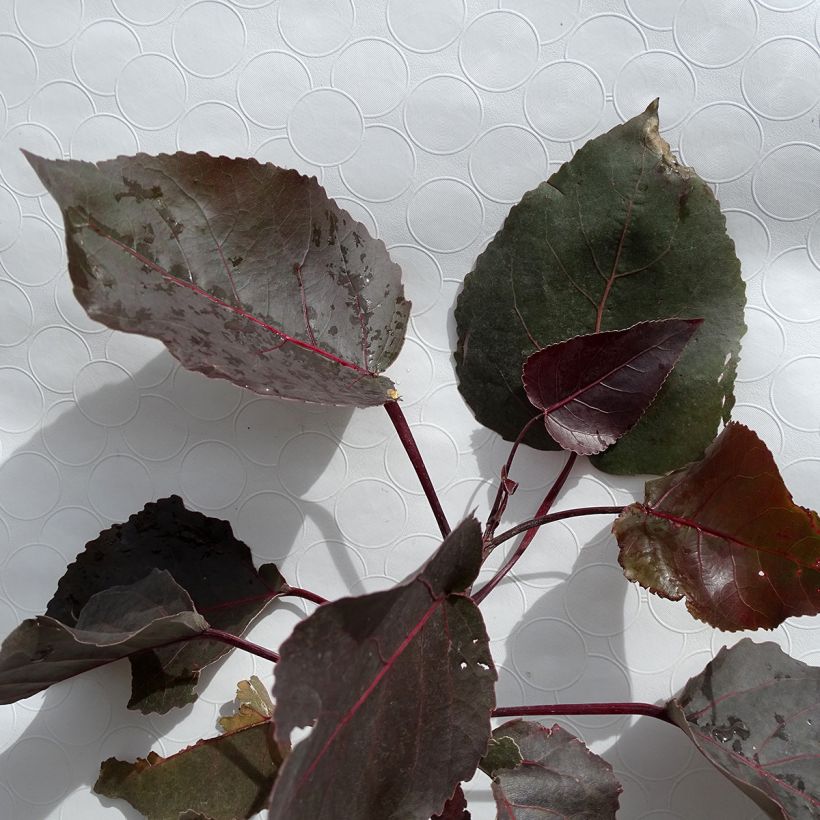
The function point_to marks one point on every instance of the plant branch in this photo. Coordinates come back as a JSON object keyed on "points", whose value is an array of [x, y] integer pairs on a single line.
{"points": [[548, 501], [500, 503], [548, 519], [406, 437], [647, 709], [298, 592], [238, 643]]}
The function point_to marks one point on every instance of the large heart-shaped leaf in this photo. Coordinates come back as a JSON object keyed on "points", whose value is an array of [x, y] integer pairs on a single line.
{"points": [[402, 679], [246, 271], [539, 772], [204, 557], [620, 234], [594, 388], [754, 712], [725, 533], [222, 778], [113, 624]]}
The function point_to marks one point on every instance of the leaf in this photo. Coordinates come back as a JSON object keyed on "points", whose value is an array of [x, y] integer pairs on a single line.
{"points": [[754, 713], [455, 808], [246, 271], [402, 678], [594, 388], [112, 624], [255, 706], [539, 772], [622, 234], [221, 778], [725, 533], [204, 558]]}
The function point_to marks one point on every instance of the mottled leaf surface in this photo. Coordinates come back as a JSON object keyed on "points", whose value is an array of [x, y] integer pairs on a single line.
{"points": [[620, 234], [455, 808], [539, 772], [204, 557], [754, 712], [725, 534], [246, 271], [400, 679], [594, 388], [228, 777], [111, 625]]}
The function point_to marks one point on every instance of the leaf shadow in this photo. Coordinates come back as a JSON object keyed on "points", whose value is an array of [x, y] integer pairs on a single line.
{"points": [[84, 504]]}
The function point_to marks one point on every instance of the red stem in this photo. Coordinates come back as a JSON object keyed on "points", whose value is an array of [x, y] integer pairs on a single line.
{"points": [[502, 495], [648, 709], [298, 592], [237, 642], [406, 437], [548, 501], [548, 519]]}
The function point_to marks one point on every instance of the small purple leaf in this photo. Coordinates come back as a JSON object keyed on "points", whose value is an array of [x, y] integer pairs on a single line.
{"points": [[594, 388]]}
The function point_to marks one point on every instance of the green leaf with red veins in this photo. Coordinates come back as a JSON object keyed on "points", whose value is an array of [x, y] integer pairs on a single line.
{"points": [[246, 271], [398, 687], [725, 534], [539, 772], [594, 388], [754, 713]]}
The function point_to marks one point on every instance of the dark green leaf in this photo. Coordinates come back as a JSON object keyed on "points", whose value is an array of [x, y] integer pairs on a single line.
{"points": [[222, 778], [204, 557], [247, 272], [402, 679], [539, 772], [620, 234], [594, 388], [112, 624], [754, 713], [725, 533]]}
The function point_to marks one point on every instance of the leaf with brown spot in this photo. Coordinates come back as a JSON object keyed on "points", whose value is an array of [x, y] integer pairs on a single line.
{"points": [[246, 271], [725, 534], [754, 713]]}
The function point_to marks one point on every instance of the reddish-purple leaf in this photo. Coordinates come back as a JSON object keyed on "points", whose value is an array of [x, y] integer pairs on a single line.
{"points": [[594, 388], [725, 533], [246, 271], [204, 558], [539, 772], [455, 808], [754, 713], [398, 688], [114, 623]]}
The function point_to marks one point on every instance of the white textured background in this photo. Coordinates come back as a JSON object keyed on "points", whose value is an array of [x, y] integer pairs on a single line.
{"points": [[426, 119]]}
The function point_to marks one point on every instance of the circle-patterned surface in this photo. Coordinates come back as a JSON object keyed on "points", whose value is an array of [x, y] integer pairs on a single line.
{"points": [[427, 121]]}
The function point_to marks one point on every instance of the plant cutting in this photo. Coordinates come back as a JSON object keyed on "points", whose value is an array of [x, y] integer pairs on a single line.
{"points": [[604, 319]]}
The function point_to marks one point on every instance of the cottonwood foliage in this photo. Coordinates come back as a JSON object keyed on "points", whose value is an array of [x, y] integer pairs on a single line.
{"points": [[604, 318]]}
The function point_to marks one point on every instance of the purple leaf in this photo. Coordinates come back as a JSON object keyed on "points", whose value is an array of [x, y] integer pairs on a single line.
{"points": [[725, 533], [247, 272], [754, 713], [594, 388], [398, 688], [204, 558], [113, 624], [539, 772], [455, 808]]}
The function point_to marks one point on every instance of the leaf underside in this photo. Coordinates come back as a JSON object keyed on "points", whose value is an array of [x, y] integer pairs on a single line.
{"points": [[594, 388], [754, 713], [113, 624], [402, 678], [221, 778], [725, 534], [246, 271], [620, 234], [204, 558], [539, 772]]}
